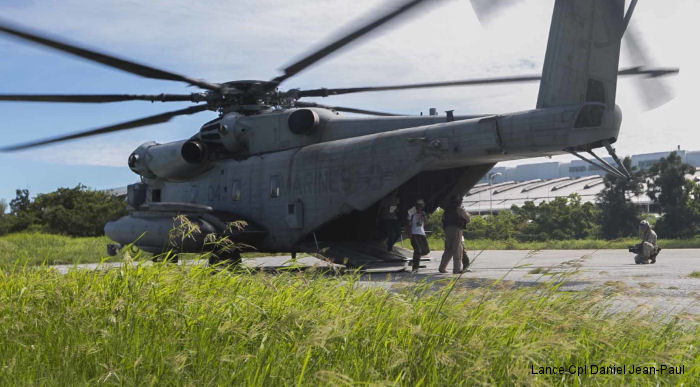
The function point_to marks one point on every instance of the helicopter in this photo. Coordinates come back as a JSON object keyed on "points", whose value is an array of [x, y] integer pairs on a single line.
{"points": [[305, 178]]}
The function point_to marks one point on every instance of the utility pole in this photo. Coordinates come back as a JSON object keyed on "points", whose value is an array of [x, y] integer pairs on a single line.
{"points": [[491, 177]]}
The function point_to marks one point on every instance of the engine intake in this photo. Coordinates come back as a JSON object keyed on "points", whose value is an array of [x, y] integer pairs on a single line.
{"points": [[194, 152], [179, 160], [303, 121]]}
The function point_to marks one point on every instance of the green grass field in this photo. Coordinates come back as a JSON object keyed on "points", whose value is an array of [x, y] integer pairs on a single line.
{"points": [[17, 250], [35, 248], [190, 325], [172, 325]]}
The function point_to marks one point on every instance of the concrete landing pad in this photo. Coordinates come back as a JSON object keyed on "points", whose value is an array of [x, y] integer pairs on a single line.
{"points": [[666, 285]]}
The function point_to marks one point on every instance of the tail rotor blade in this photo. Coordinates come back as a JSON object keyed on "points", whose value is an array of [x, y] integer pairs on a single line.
{"points": [[653, 90]]}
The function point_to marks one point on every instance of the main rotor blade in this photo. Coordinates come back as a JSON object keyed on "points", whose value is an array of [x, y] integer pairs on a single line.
{"points": [[634, 71], [486, 9], [346, 109], [151, 120], [112, 61], [101, 98], [331, 47]]}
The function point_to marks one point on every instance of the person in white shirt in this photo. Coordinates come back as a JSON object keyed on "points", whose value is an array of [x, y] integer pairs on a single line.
{"points": [[419, 242]]}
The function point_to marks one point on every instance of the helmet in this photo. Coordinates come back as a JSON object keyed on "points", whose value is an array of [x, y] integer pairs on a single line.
{"points": [[644, 223], [420, 202]]}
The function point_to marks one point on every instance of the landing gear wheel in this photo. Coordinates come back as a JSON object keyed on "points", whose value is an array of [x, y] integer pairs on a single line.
{"points": [[228, 259]]}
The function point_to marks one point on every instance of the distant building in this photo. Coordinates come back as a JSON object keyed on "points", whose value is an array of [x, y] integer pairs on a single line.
{"points": [[541, 182]]}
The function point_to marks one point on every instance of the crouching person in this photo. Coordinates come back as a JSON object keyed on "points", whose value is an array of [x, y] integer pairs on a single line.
{"points": [[648, 249]]}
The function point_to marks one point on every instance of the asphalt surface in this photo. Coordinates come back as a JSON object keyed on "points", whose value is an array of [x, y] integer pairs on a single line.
{"points": [[666, 287]]}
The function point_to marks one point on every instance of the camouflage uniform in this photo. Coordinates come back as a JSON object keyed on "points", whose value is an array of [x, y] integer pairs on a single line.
{"points": [[648, 249]]}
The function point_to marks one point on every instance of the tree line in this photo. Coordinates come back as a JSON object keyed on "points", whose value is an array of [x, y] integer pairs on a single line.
{"points": [[612, 216], [76, 211]]}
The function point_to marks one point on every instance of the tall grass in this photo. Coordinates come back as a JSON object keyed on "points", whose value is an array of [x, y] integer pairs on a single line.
{"points": [[172, 325], [35, 248], [30, 248]]}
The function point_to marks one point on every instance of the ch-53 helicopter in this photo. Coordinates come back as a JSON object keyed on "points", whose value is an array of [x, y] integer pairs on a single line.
{"points": [[306, 178]]}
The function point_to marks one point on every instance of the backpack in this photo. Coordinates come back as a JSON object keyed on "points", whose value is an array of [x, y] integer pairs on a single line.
{"points": [[451, 217]]}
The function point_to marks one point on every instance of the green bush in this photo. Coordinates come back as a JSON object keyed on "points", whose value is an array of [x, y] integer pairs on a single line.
{"points": [[70, 211], [434, 224], [559, 219]]}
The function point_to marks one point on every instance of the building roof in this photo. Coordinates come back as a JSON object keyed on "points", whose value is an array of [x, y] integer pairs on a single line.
{"points": [[512, 193], [524, 184]]}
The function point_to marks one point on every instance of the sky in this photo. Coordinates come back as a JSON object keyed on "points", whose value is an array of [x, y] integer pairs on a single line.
{"points": [[221, 40]]}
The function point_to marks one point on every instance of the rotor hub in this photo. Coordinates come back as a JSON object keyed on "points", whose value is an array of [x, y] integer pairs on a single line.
{"points": [[247, 96]]}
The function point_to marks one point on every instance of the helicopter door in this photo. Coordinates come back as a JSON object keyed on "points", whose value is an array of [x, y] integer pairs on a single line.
{"points": [[295, 214]]}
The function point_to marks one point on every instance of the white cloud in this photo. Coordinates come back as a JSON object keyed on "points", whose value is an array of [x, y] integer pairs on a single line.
{"points": [[97, 152]]}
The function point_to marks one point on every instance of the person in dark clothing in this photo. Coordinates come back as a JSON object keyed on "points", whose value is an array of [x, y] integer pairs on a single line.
{"points": [[454, 221], [389, 220]]}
